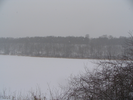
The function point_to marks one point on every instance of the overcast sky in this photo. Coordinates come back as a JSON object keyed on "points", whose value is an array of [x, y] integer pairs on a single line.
{"points": [[22, 18]]}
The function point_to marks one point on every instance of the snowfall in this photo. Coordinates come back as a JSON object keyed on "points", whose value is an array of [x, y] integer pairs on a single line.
{"points": [[25, 74]]}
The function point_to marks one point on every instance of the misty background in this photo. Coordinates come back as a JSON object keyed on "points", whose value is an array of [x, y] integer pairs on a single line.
{"points": [[82, 30], [30, 18]]}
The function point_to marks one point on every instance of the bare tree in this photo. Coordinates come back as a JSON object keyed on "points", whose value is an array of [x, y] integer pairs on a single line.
{"points": [[111, 80]]}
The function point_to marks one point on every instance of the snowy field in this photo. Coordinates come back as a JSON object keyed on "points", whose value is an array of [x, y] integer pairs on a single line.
{"points": [[25, 74]]}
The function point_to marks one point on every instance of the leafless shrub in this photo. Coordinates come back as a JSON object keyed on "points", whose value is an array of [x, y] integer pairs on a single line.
{"points": [[32, 95], [111, 80]]}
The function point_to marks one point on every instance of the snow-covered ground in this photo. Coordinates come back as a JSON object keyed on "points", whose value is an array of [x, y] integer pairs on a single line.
{"points": [[19, 73]]}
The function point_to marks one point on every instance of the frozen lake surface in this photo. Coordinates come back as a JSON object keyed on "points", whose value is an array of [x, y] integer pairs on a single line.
{"points": [[19, 73]]}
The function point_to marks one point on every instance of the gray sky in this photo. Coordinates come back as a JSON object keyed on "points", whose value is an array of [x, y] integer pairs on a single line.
{"points": [[22, 18]]}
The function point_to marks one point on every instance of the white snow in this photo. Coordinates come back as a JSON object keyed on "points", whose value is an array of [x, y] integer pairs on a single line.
{"points": [[19, 73]]}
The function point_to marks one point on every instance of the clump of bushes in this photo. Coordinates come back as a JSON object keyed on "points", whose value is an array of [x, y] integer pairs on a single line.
{"points": [[111, 80]]}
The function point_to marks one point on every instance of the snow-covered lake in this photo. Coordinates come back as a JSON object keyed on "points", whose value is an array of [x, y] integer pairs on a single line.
{"points": [[19, 73]]}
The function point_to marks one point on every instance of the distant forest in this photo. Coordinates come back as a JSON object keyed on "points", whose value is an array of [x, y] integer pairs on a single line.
{"points": [[64, 47]]}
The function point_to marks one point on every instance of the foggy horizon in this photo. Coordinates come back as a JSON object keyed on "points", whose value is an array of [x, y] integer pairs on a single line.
{"points": [[128, 35], [65, 18]]}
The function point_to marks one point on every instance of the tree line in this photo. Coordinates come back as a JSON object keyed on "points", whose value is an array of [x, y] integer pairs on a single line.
{"points": [[66, 47]]}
